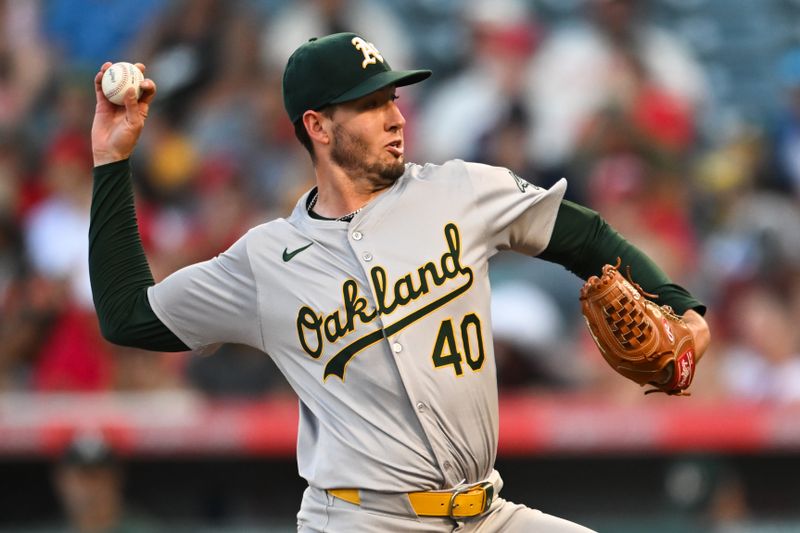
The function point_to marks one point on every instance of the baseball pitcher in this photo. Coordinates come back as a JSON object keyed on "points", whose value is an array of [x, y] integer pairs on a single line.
{"points": [[372, 297]]}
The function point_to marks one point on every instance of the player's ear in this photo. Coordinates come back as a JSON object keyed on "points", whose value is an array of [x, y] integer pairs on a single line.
{"points": [[315, 124]]}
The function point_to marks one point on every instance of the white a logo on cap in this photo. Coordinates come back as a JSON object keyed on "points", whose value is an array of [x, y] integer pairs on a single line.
{"points": [[371, 54]]}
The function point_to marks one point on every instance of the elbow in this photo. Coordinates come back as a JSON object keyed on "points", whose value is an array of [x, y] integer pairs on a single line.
{"points": [[118, 319], [115, 333]]}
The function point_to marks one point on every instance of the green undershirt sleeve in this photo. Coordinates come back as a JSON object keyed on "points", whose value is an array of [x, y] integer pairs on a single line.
{"points": [[583, 242], [118, 268]]}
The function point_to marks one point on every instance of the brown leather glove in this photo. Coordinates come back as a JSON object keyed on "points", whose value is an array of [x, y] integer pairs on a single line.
{"points": [[644, 342]]}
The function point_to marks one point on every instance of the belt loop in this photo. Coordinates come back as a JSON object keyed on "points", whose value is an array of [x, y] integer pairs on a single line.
{"points": [[496, 480]]}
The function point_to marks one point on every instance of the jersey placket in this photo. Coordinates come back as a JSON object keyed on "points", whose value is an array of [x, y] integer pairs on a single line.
{"points": [[403, 358]]}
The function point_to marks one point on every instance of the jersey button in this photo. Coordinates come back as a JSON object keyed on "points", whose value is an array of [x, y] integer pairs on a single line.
{"points": [[421, 407], [397, 347], [357, 235], [367, 256], [447, 465]]}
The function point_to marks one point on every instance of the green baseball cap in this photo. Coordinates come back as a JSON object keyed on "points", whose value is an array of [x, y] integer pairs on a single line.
{"points": [[335, 69]]}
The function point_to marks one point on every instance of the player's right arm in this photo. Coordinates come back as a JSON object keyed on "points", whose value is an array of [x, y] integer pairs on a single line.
{"points": [[200, 305], [118, 267]]}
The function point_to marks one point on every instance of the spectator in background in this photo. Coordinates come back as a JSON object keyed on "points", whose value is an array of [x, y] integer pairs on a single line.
{"points": [[20, 324], [83, 33], [762, 362], [239, 127], [26, 299], [529, 340], [708, 494], [55, 228], [614, 103], [578, 68], [50, 337], [300, 20], [204, 171], [89, 484], [505, 144], [631, 162], [182, 50], [24, 60], [72, 355], [787, 135], [13, 204], [756, 237], [236, 371], [473, 113]]}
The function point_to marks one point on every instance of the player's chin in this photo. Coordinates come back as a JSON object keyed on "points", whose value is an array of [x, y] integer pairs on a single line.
{"points": [[395, 161], [398, 166], [391, 172]]}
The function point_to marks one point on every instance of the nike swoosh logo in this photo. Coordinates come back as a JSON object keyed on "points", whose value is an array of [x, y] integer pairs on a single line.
{"points": [[287, 255]]}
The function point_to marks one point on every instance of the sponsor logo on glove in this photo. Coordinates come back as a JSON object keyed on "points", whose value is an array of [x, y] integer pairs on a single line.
{"points": [[685, 366]]}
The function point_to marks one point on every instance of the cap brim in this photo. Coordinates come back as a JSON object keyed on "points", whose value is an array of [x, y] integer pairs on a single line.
{"points": [[398, 78]]}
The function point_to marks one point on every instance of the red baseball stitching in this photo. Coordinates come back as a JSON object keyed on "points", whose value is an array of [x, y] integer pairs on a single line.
{"points": [[120, 84]]}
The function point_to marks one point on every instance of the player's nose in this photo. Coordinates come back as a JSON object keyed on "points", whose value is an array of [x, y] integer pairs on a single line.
{"points": [[394, 118]]}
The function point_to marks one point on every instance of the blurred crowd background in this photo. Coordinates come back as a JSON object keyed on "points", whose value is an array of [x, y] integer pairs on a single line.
{"points": [[677, 120]]}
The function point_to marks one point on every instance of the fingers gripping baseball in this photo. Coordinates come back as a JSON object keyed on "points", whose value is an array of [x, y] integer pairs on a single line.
{"points": [[116, 128], [136, 110]]}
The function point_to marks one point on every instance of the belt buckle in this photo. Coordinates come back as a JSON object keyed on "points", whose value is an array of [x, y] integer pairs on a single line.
{"points": [[488, 497]]}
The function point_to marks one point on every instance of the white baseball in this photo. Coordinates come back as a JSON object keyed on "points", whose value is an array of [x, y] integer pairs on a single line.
{"points": [[118, 79]]}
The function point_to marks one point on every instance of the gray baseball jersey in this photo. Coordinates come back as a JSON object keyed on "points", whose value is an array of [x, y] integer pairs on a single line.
{"points": [[381, 324]]}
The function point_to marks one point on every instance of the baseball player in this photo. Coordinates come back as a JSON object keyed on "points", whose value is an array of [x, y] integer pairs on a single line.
{"points": [[372, 297]]}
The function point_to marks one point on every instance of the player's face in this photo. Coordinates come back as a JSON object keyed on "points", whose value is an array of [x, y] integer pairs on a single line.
{"points": [[367, 138]]}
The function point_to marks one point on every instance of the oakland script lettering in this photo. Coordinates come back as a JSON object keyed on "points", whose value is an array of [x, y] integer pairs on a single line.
{"points": [[314, 329]]}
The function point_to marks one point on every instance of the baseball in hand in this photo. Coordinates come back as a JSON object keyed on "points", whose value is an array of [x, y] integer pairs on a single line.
{"points": [[118, 79]]}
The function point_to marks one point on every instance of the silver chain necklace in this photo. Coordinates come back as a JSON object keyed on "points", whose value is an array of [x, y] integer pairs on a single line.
{"points": [[346, 218]]}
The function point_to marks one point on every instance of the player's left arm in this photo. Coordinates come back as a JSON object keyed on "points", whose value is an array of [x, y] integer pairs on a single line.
{"points": [[582, 241]]}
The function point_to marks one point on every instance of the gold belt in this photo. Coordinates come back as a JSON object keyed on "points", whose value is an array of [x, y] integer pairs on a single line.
{"points": [[470, 500]]}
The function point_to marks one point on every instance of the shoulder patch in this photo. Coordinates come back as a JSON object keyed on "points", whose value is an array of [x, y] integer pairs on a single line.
{"points": [[521, 183]]}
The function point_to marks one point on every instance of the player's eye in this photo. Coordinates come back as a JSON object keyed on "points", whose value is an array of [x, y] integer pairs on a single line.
{"points": [[394, 97]]}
